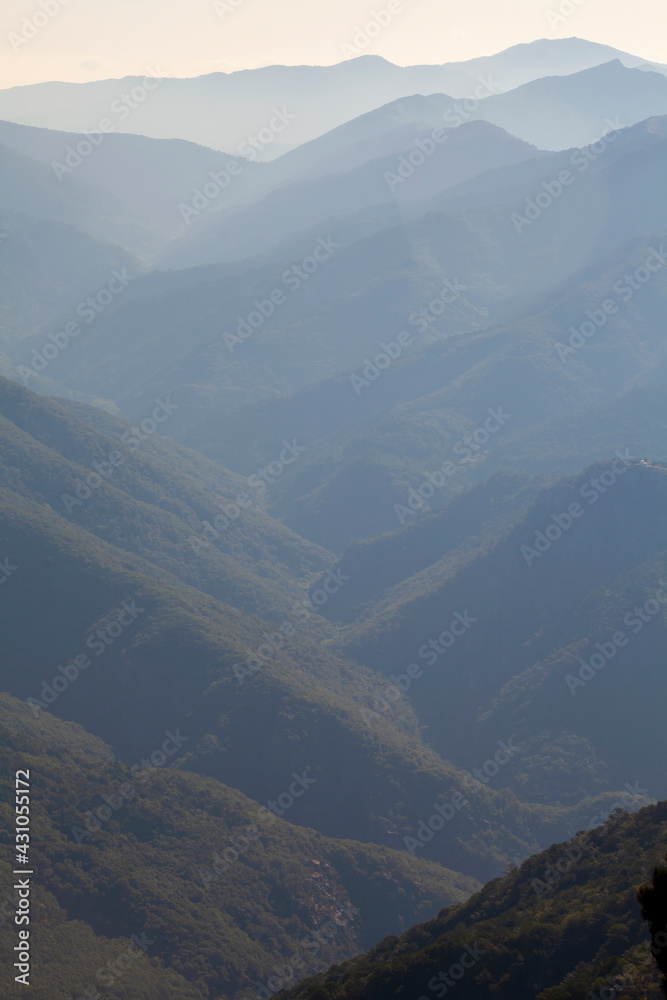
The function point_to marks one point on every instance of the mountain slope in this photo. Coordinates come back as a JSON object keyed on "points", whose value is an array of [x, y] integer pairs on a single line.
{"points": [[321, 97], [32, 188], [255, 697], [365, 293], [397, 428], [384, 175], [575, 589], [580, 933], [153, 500], [155, 872], [246, 728], [151, 176], [459, 530], [559, 112], [112, 490], [48, 269]]}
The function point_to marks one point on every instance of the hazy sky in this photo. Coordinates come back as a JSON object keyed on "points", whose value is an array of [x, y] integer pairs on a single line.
{"points": [[95, 39]]}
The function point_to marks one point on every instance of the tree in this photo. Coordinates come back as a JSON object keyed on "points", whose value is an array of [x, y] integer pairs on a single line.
{"points": [[653, 900]]}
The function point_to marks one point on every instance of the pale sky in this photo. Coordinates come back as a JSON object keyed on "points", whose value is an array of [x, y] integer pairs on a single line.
{"points": [[97, 39]]}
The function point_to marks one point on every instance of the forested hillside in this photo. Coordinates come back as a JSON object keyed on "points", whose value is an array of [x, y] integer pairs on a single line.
{"points": [[566, 924], [333, 492]]}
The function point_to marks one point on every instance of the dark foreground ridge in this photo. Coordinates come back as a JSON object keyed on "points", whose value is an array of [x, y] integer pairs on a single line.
{"points": [[565, 925]]}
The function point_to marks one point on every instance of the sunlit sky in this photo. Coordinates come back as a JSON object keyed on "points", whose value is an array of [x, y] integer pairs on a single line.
{"points": [[97, 39]]}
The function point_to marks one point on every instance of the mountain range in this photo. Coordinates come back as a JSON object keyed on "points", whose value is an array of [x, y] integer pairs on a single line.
{"points": [[319, 97], [332, 488]]}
